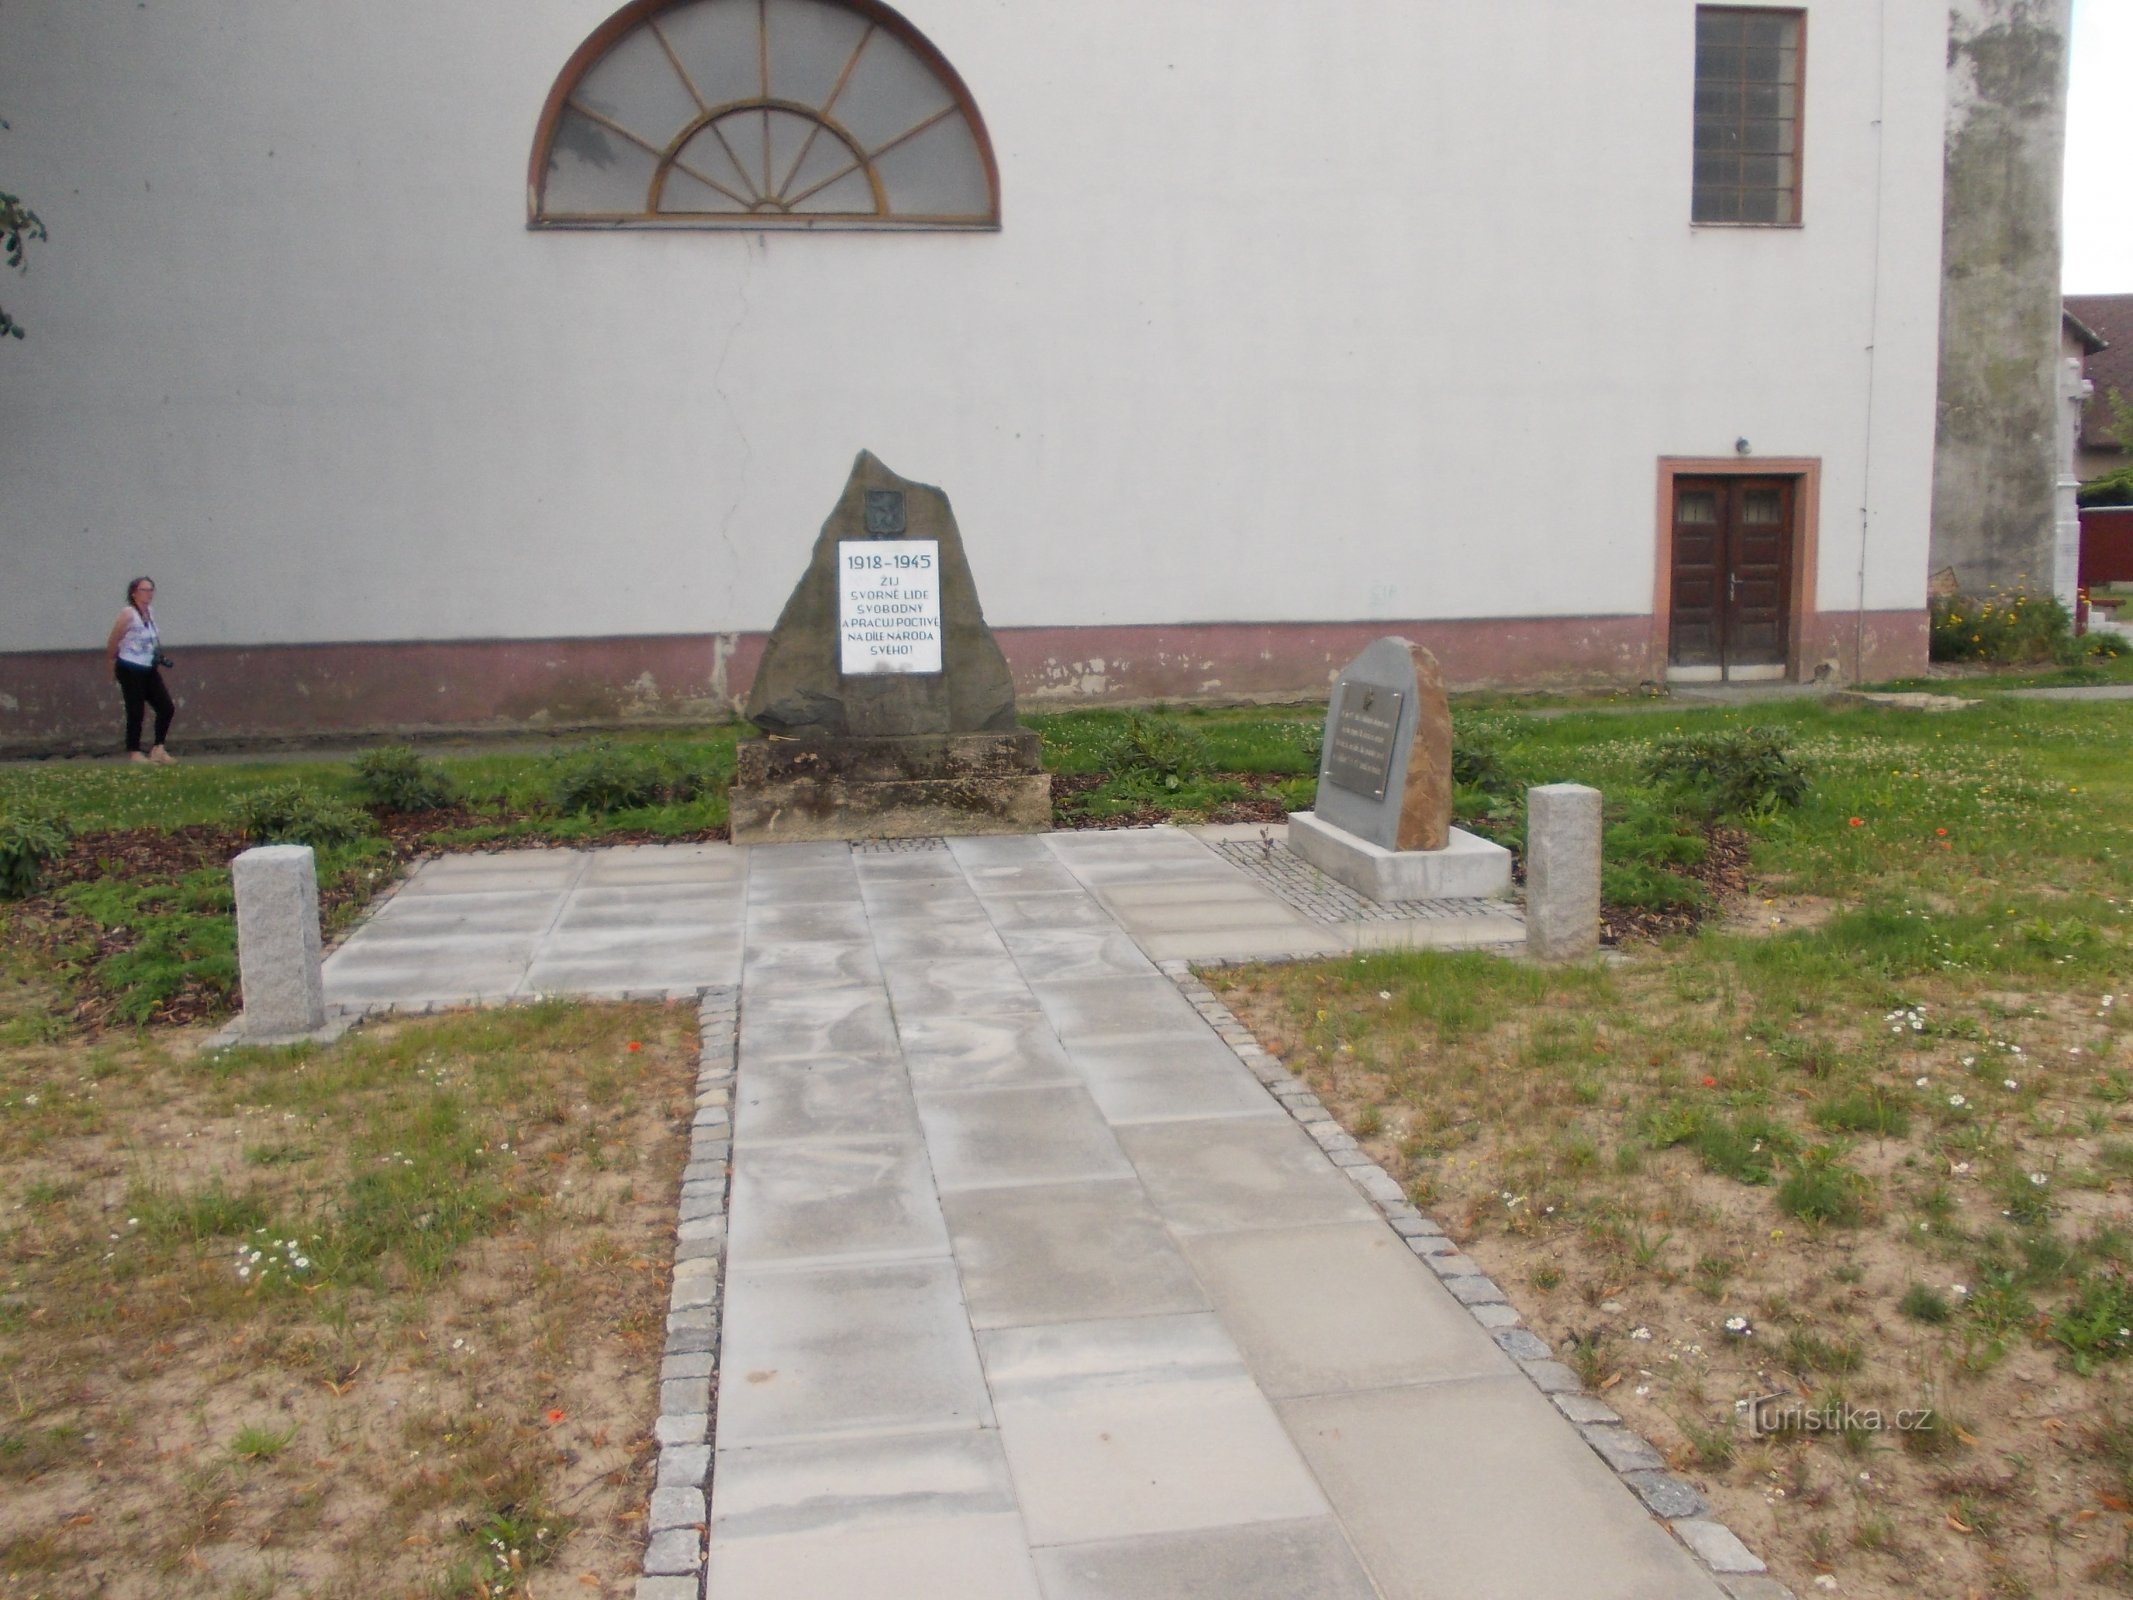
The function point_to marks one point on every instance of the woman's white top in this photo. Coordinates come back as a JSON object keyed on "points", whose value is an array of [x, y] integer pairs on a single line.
{"points": [[138, 647]]}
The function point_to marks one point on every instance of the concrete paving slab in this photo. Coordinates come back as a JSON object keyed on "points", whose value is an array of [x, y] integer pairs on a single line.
{"points": [[841, 1485], [1237, 1173], [1116, 1007], [1015, 1051], [825, 1198], [990, 1138], [840, 921], [1343, 1307], [1027, 877], [918, 940], [801, 857], [623, 866], [847, 1351], [1308, 1560], [1168, 1078], [810, 966], [511, 869], [1047, 911], [905, 901], [1213, 882], [801, 886], [1436, 933], [1137, 1426], [673, 966], [1072, 1252], [783, 1025], [504, 911], [777, 1101], [962, 986], [1238, 943], [957, 1558], [1482, 1456], [999, 849], [1059, 953]]}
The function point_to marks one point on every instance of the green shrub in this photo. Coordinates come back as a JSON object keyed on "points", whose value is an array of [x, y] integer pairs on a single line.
{"points": [[28, 841], [1156, 751], [2112, 489], [1746, 772], [2017, 629], [394, 779], [1477, 760], [296, 813], [603, 777]]}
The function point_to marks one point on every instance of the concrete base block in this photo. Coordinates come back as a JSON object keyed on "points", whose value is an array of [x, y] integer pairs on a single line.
{"points": [[902, 788], [1468, 868], [278, 941]]}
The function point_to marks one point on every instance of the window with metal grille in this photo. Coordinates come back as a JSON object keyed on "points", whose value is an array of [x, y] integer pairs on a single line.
{"points": [[1747, 116], [761, 114]]}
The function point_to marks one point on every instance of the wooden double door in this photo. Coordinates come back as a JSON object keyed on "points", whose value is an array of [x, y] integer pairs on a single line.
{"points": [[1732, 581]]}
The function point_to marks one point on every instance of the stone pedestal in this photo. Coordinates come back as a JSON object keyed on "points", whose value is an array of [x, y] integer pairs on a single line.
{"points": [[914, 787], [1467, 868], [1563, 829], [278, 941]]}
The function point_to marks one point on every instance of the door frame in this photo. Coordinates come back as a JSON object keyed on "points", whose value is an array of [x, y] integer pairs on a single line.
{"points": [[1806, 506]]}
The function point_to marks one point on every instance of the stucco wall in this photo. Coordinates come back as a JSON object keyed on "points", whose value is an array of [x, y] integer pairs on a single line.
{"points": [[1304, 311], [1999, 459]]}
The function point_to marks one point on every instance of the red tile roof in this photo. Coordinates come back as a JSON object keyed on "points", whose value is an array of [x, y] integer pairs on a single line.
{"points": [[2111, 317]]}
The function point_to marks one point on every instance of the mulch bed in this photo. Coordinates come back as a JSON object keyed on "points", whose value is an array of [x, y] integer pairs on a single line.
{"points": [[145, 854], [1259, 806], [158, 855], [1723, 872]]}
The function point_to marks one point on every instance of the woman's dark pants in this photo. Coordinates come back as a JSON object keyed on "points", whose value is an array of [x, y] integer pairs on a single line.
{"points": [[143, 687]]}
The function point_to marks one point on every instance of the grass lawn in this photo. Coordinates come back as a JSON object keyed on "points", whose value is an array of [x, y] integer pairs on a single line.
{"points": [[1855, 1130], [379, 1318], [1864, 1142]]}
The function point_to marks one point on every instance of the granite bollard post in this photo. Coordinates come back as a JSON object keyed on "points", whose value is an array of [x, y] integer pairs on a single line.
{"points": [[1562, 871], [278, 941]]}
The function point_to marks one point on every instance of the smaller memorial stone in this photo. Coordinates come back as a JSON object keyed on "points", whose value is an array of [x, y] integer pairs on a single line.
{"points": [[1382, 822]]}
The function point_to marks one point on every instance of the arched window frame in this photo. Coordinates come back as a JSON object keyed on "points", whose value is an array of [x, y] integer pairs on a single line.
{"points": [[640, 12]]}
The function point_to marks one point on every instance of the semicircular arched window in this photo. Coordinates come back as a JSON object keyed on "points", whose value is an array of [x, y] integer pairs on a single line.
{"points": [[761, 114]]}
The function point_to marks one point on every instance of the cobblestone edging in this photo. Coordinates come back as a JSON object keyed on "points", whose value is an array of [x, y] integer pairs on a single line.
{"points": [[679, 1519], [1740, 1573], [1302, 887]]}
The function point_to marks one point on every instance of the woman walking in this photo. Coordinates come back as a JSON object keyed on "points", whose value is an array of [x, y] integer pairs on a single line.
{"points": [[136, 651]]}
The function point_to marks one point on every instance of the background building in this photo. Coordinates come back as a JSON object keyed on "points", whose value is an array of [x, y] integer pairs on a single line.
{"points": [[1581, 342]]}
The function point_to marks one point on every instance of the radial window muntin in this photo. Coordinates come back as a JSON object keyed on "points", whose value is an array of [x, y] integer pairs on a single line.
{"points": [[879, 132]]}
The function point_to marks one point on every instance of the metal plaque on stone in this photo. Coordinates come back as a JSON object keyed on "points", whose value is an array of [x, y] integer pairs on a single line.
{"points": [[888, 606], [885, 513], [1366, 729]]}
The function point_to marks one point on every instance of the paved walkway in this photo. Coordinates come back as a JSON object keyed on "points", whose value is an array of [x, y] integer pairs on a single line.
{"points": [[1032, 1290]]}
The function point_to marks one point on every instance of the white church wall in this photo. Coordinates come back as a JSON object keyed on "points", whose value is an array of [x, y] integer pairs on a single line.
{"points": [[1303, 311]]}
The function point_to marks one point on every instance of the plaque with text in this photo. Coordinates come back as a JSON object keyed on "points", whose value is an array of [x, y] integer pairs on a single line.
{"points": [[888, 606], [1366, 725]]}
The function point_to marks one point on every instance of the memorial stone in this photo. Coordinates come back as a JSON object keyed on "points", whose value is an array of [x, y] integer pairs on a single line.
{"points": [[1382, 821], [1386, 774], [888, 706]]}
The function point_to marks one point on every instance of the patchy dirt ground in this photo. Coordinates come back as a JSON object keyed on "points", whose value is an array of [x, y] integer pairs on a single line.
{"points": [[379, 1319]]}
